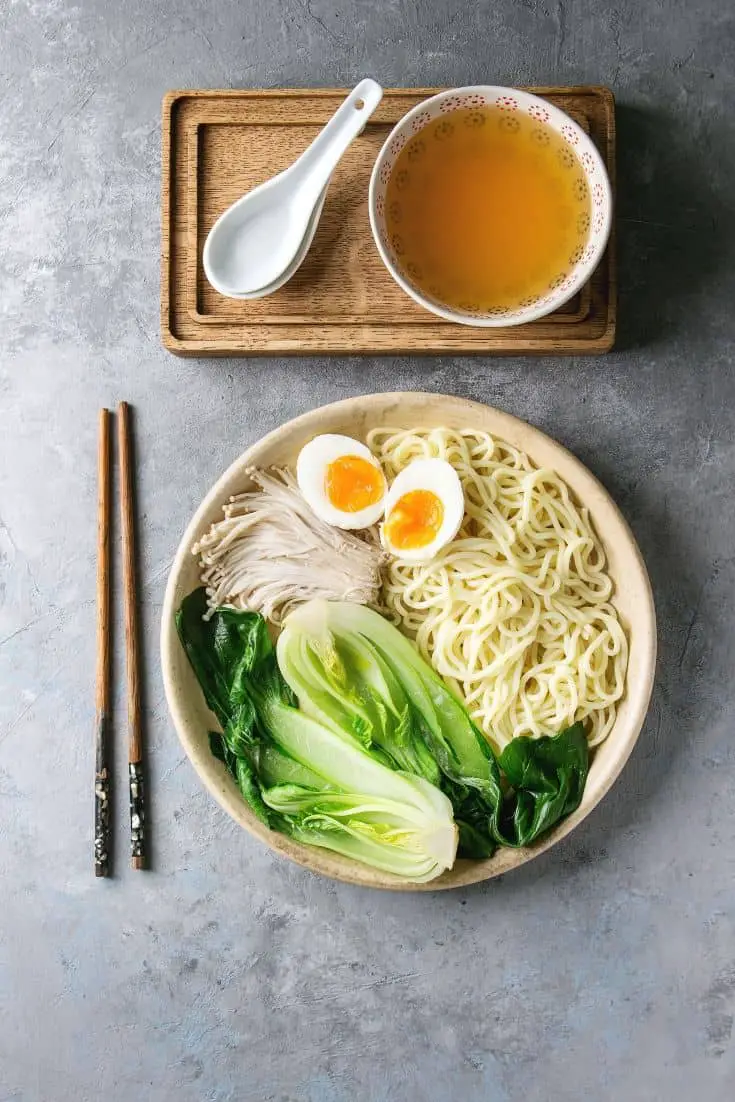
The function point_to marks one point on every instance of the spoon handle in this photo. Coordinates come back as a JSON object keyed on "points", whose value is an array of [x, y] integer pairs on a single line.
{"points": [[317, 163]]}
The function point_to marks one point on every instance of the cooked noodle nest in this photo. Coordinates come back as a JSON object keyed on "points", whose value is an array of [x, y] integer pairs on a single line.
{"points": [[516, 612]]}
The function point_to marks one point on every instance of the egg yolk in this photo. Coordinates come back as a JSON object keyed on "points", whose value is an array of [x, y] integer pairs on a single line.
{"points": [[414, 520], [353, 483]]}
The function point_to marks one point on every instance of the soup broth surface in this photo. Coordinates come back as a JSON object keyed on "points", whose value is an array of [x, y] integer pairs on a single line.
{"points": [[487, 209]]}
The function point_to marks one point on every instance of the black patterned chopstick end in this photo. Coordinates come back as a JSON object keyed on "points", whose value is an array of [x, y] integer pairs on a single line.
{"points": [[137, 814], [101, 822]]}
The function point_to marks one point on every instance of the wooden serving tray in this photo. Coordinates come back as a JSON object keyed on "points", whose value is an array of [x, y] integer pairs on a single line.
{"points": [[219, 144]]}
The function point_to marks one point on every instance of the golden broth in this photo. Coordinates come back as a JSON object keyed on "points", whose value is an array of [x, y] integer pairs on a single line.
{"points": [[487, 210]]}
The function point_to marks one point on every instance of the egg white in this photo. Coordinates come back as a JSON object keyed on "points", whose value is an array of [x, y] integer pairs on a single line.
{"points": [[311, 472], [439, 477]]}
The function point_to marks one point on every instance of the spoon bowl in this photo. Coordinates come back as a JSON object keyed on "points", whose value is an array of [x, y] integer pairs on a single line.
{"points": [[297, 261]]}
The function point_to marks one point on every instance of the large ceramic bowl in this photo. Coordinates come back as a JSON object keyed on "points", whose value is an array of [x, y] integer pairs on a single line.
{"points": [[511, 102], [355, 417]]}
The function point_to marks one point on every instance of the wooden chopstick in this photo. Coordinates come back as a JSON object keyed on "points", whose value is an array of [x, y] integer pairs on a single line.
{"points": [[102, 693], [130, 602]]}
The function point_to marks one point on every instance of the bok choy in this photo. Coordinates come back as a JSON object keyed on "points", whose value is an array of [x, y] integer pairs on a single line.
{"points": [[355, 673], [301, 775]]}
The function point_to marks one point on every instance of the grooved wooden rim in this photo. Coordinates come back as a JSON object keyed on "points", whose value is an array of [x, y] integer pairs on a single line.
{"points": [[342, 300]]}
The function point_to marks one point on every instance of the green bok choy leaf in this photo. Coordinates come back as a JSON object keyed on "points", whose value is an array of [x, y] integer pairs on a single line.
{"points": [[299, 775], [354, 672]]}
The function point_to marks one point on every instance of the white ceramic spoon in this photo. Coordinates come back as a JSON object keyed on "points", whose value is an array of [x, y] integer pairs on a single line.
{"points": [[256, 241], [297, 260]]}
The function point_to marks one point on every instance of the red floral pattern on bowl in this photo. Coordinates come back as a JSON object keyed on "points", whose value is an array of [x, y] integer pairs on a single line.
{"points": [[420, 121], [539, 113]]}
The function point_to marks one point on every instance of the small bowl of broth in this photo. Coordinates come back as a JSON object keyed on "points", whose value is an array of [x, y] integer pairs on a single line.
{"points": [[490, 206]]}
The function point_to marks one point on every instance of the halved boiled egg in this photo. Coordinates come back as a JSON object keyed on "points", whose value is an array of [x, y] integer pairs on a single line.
{"points": [[423, 510], [342, 481]]}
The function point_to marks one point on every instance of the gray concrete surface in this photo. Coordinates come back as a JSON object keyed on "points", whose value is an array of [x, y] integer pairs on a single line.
{"points": [[603, 971]]}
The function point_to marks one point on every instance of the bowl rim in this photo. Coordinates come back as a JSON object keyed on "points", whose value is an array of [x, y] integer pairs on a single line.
{"points": [[585, 270], [212, 774]]}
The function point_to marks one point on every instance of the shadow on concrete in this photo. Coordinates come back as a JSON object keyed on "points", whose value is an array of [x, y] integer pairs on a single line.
{"points": [[674, 233]]}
